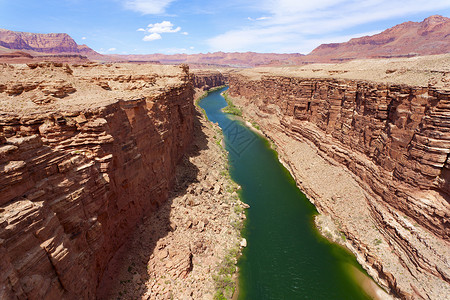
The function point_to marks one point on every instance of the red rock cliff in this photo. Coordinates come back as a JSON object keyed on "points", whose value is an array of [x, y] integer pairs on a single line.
{"points": [[206, 79], [403, 131], [80, 170], [395, 140]]}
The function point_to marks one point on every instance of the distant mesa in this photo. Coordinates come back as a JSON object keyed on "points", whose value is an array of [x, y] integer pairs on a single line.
{"points": [[431, 36], [38, 47], [51, 43], [16, 54]]}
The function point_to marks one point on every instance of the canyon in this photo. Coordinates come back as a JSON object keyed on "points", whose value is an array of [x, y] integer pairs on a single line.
{"points": [[368, 143], [112, 182], [113, 185]]}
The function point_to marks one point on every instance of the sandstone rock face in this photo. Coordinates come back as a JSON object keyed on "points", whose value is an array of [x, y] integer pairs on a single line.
{"points": [[177, 252], [395, 141], [206, 79], [78, 172]]}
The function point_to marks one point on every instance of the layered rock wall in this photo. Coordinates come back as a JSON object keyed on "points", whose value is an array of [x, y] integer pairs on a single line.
{"points": [[395, 141], [75, 183], [402, 132], [206, 79]]}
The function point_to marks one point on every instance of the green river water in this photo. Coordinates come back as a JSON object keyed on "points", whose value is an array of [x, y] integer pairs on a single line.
{"points": [[285, 258]]}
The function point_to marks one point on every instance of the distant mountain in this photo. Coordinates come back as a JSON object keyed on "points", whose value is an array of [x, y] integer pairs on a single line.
{"points": [[49, 43], [431, 36], [234, 59]]}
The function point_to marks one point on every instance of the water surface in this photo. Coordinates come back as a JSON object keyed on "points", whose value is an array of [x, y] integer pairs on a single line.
{"points": [[285, 258]]}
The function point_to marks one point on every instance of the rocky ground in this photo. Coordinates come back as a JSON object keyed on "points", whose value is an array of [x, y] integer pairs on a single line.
{"points": [[179, 251], [55, 87]]}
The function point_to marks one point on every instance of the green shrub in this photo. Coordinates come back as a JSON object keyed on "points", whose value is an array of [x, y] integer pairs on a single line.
{"points": [[224, 283], [231, 108]]}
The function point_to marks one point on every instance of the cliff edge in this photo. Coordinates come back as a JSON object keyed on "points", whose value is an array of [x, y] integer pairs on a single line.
{"points": [[369, 143], [85, 152]]}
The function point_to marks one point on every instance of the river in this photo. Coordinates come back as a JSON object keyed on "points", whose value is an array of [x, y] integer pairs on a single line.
{"points": [[285, 257]]}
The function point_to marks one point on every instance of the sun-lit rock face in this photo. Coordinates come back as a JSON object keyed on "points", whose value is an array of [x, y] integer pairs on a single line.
{"points": [[401, 130], [394, 139], [85, 152]]}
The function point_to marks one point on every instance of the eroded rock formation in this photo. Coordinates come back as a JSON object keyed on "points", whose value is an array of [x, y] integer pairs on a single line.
{"points": [[393, 205], [80, 168], [206, 79]]}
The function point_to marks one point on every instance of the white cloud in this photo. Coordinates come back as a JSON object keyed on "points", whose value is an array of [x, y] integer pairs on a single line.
{"points": [[184, 33], [157, 29], [192, 47], [259, 19], [163, 27], [111, 49], [148, 7], [152, 37], [300, 26], [83, 38]]}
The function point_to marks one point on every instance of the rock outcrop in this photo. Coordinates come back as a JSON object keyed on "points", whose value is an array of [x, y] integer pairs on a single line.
{"points": [[85, 152], [393, 139], [206, 79]]}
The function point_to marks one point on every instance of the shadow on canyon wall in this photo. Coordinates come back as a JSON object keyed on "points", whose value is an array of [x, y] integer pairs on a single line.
{"points": [[154, 226]]}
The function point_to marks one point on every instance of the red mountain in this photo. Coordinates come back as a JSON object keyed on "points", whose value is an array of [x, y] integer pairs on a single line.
{"points": [[431, 36], [49, 43]]}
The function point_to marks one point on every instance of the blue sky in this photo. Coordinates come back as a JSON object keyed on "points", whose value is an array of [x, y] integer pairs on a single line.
{"points": [[199, 26]]}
